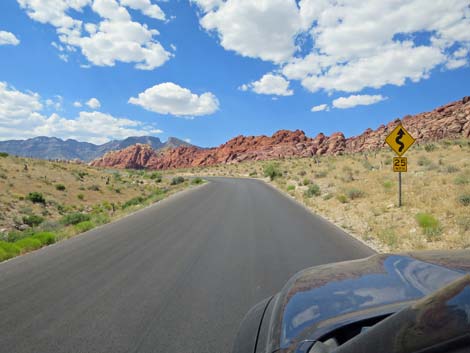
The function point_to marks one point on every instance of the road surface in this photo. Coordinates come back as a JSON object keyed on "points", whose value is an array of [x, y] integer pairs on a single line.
{"points": [[176, 277]]}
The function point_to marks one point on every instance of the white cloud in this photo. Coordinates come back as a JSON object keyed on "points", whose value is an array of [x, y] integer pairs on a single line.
{"points": [[269, 84], [259, 29], [355, 100], [147, 8], [207, 5], [21, 117], [188, 140], [93, 103], [320, 108], [169, 98], [8, 38], [77, 104], [116, 37], [345, 45]]}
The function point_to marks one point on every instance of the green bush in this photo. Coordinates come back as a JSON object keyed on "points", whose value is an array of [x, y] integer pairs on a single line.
{"points": [[3, 255], [36, 197], [429, 147], [306, 182], [156, 176], [313, 190], [33, 220], [253, 173], [387, 184], [342, 198], [429, 224], [197, 181], [3, 154], [75, 218], [10, 249], [60, 187], [272, 171], [81, 197], [134, 201], [290, 187], [464, 199], [177, 180], [84, 226], [355, 193], [46, 238], [462, 179], [28, 244]]}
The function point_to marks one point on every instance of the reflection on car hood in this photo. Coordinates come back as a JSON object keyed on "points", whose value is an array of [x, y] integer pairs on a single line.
{"points": [[320, 298]]}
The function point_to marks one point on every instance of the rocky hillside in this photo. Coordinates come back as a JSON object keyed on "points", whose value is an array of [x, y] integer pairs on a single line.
{"points": [[54, 148], [449, 121]]}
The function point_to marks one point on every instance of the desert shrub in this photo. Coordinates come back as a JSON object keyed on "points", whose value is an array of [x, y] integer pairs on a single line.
{"points": [[387, 184], [464, 199], [81, 197], [94, 187], [36, 197], [429, 147], [132, 202], [290, 187], [33, 220], [60, 187], [28, 244], [177, 180], [46, 238], [272, 171], [367, 165], [101, 218], [10, 249], [75, 218], [423, 161], [464, 223], [313, 190], [451, 169], [84, 226], [342, 198], [321, 174], [429, 224], [388, 237], [306, 182], [156, 176], [253, 173], [3, 154], [328, 196], [197, 181], [462, 179], [355, 193]]}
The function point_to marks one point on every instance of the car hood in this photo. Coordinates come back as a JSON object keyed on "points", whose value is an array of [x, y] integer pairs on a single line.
{"points": [[319, 299]]}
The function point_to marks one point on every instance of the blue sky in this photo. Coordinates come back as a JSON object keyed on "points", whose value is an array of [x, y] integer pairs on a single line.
{"points": [[217, 69]]}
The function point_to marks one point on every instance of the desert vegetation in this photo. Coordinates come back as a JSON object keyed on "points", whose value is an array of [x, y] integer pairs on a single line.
{"points": [[359, 192], [42, 202]]}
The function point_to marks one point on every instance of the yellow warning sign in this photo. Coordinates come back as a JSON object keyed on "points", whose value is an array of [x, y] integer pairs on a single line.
{"points": [[400, 164], [400, 140]]}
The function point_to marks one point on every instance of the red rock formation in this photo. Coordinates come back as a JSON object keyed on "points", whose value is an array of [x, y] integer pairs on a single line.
{"points": [[449, 121]]}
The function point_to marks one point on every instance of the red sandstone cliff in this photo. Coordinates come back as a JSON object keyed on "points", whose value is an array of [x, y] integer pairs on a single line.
{"points": [[449, 121]]}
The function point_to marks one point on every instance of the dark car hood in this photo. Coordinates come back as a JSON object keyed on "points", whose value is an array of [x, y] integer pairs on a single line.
{"points": [[321, 298]]}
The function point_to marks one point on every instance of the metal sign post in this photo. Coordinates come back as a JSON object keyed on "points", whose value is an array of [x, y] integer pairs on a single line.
{"points": [[399, 141]]}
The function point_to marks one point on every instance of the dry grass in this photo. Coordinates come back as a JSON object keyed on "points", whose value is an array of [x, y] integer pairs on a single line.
{"points": [[42, 194], [358, 192]]}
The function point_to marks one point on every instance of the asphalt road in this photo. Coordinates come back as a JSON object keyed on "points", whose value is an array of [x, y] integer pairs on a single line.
{"points": [[176, 277]]}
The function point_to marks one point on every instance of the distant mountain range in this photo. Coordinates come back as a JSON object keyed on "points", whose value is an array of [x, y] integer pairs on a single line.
{"points": [[451, 121], [54, 148]]}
